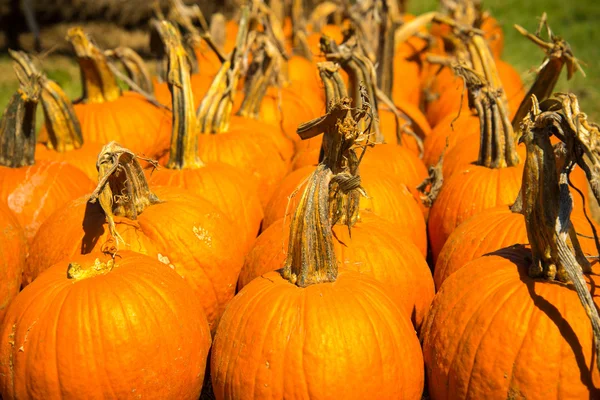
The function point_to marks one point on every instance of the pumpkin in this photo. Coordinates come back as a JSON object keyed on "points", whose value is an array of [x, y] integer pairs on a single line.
{"points": [[492, 230], [106, 113], [255, 147], [134, 326], [493, 302], [12, 257], [396, 263], [283, 323], [557, 55], [32, 190], [227, 188], [185, 232], [515, 296], [495, 177]]}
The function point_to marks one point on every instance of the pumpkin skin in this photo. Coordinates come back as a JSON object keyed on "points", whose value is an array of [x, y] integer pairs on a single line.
{"points": [[184, 232], [492, 230], [200, 84], [466, 193], [371, 249], [130, 120], [12, 257], [228, 189], [83, 158], [450, 88], [34, 192], [452, 129], [277, 340], [494, 332], [388, 199], [137, 330], [249, 146]]}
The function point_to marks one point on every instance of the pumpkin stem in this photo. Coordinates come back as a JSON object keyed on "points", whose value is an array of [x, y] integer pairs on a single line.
{"points": [[122, 186], [386, 49], [547, 206], [17, 126], [362, 78], [486, 96], [99, 83], [464, 12], [134, 66], [62, 124], [78, 272], [558, 54], [311, 257], [299, 35], [342, 136], [266, 68], [214, 111], [184, 137]]}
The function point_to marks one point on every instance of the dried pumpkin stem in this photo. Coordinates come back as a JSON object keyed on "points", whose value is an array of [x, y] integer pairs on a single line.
{"points": [[386, 51], [263, 72], [362, 78], [184, 136], [17, 126], [99, 83], [311, 257], [134, 66], [62, 124], [214, 111], [546, 206], [299, 35], [558, 55], [77, 272], [122, 188]]}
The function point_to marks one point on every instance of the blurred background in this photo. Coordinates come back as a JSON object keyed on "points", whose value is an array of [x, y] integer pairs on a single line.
{"points": [[125, 22]]}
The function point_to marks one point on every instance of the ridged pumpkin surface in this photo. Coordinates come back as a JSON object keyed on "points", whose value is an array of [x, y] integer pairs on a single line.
{"points": [[137, 331], [184, 232], [229, 189], [33, 193], [372, 249], [388, 199], [495, 333], [12, 257], [465, 194], [130, 120], [492, 230], [83, 158], [340, 340]]}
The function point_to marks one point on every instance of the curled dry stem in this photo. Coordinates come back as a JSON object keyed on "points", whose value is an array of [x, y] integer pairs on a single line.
{"points": [[558, 54], [122, 188], [62, 125], [546, 206], [17, 126]]}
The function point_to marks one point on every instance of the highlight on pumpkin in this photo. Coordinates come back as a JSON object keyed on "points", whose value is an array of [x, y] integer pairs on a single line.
{"points": [[300, 199]]}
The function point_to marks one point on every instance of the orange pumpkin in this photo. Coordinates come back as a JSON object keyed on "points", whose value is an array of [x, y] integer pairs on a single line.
{"points": [[183, 231], [105, 113], [387, 198], [492, 230], [264, 335], [12, 257], [492, 302], [396, 263], [229, 189], [134, 326], [516, 296], [32, 190], [491, 179]]}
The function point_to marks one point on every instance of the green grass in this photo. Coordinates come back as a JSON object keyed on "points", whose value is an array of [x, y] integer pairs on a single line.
{"points": [[573, 20]]}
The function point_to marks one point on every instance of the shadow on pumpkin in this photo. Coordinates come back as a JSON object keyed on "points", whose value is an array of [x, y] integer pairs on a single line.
{"points": [[520, 255]]}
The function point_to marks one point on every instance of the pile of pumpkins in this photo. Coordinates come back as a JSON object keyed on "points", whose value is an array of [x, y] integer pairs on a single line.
{"points": [[351, 203]]}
